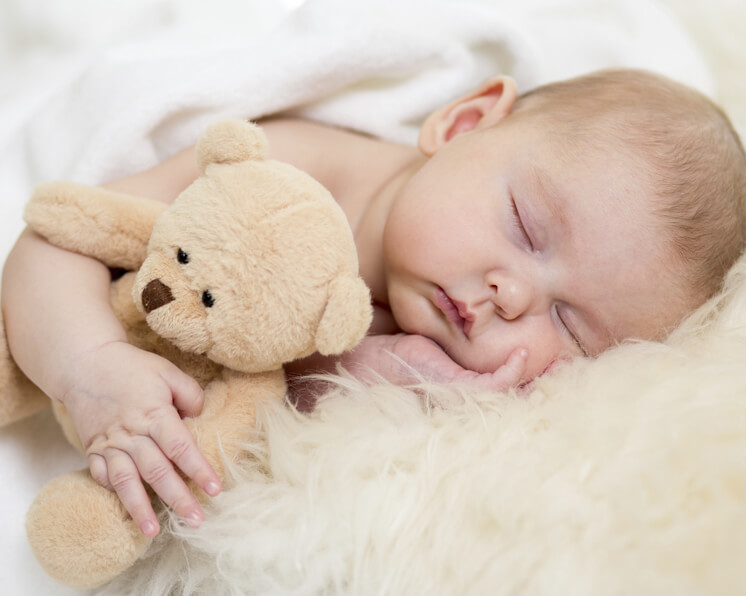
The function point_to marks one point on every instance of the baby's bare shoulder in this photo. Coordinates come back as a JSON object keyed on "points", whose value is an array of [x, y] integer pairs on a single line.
{"points": [[298, 142], [162, 182]]}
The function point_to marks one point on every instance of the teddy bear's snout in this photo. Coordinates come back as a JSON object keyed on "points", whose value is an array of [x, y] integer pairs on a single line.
{"points": [[155, 294]]}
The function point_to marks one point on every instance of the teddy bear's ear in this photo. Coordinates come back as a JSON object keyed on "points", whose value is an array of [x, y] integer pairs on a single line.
{"points": [[230, 141], [346, 318]]}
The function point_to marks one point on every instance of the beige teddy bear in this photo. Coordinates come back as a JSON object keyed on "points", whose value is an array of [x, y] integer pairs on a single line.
{"points": [[253, 266]]}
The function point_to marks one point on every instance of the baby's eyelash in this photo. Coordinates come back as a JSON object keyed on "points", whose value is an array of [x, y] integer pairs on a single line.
{"points": [[519, 223], [566, 329]]}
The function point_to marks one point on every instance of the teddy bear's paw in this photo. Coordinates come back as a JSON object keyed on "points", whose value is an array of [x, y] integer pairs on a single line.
{"points": [[80, 533], [109, 226]]}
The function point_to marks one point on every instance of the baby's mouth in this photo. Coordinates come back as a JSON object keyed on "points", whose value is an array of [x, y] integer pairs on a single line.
{"points": [[455, 311]]}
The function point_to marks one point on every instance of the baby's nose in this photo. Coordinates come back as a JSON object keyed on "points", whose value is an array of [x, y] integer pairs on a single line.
{"points": [[512, 297], [156, 294]]}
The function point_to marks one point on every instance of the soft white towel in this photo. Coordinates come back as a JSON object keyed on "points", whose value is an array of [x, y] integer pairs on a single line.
{"points": [[378, 66], [91, 91]]}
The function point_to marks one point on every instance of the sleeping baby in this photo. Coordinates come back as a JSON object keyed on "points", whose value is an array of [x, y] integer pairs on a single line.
{"points": [[525, 230]]}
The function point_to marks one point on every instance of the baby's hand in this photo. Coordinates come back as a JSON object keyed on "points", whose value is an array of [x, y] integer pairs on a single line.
{"points": [[391, 356], [126, 405]]}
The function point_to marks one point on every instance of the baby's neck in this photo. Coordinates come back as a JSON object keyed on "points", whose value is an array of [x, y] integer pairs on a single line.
{"points": [[363, 174], [369, 175]]}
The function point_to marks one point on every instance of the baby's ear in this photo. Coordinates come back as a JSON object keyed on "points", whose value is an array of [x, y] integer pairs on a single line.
{"points": [[346, 318], [484, 106], [230, 141]]}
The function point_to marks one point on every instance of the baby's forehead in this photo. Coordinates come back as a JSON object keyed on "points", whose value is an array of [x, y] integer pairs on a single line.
{"points": [[573, 132]]}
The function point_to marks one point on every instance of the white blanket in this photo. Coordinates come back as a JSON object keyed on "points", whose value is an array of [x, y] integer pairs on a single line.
{"points": [[91, 91]]}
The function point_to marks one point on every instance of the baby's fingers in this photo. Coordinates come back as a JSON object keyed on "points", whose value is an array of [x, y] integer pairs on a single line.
{"points": [[179, 446], [99, 470], [156, 469], [124, 478], [188, 397], [508, 375], [511, 373]]}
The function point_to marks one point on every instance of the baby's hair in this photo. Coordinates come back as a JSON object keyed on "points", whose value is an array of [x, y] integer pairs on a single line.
{"points": [[686, 146]]}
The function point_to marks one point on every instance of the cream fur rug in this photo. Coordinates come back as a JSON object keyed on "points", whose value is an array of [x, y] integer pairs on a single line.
{"points": [[626, 475]]}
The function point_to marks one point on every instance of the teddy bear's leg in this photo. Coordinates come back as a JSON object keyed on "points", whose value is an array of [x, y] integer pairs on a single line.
{"points": [[19, 397], [229, 416], [80, 533]]}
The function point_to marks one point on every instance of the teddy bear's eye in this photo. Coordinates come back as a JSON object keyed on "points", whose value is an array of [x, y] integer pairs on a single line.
{"points": [[182, 257], [207, 299]]}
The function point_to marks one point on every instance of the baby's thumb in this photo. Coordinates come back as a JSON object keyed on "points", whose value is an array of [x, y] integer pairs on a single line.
{"points": [[187, 394]]}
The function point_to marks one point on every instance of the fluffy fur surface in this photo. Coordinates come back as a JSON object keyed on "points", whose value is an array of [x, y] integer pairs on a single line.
{"points": [[585, 487]]}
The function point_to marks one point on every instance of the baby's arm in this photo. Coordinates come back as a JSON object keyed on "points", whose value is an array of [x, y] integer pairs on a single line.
{"points": [[123, 401]]}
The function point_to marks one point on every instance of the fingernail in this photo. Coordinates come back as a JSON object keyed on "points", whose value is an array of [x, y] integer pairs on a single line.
{"points": [[523, 353], [212, 488], [193, 519], [148, 528]]}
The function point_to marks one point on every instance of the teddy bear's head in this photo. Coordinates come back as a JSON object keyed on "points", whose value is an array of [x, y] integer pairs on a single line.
{"points": [[254, 264]]}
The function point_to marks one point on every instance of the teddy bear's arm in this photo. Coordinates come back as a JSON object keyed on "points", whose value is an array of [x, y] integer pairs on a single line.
{"points": [[109, 226]]}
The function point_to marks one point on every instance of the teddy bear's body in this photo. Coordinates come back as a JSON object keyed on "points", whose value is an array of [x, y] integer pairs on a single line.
{"points": [[253, 266]]}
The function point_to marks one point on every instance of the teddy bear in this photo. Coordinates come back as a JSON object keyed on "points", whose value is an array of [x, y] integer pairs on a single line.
{"points": [[253, 266]]}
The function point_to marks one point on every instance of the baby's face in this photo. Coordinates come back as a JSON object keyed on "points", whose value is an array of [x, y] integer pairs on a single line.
{"points": [[501, 241]]}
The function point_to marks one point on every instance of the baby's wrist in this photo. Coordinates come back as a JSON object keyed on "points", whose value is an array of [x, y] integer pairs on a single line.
{"points": [[78, 363]]}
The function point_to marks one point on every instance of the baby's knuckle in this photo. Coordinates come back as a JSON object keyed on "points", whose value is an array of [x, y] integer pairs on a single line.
{"points": [[178, 448], [102, 443], [116, 436], [100, 476], [154, 417], [193, 388], [96, 444], [120, 479], [156, 474]]}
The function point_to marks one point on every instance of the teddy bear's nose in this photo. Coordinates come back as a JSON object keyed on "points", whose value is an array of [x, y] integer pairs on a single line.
{"points": [[155, 295]]}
